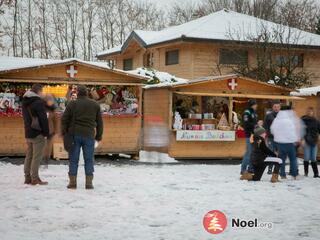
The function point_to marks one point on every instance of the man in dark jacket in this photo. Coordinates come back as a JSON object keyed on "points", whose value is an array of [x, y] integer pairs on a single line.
{"points": [[268, 120], [82, 118], [311, 142], [250, 120], [34, 107]]}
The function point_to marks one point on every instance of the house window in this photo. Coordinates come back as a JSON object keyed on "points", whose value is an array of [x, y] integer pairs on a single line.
{"points": [[111, 63], [128, 64], [172, 57], [294, 60], [233, 56]]}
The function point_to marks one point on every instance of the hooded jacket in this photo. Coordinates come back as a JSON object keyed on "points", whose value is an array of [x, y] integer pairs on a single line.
{"points": [[260, 151], [250, 120], [286, 127], [32, 101], [312, 130]]}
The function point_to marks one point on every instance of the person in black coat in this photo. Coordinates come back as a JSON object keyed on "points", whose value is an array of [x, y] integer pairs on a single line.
{"points": [[260, 154], [33, 107], [250, 120], [311, 142], [268, 120]]}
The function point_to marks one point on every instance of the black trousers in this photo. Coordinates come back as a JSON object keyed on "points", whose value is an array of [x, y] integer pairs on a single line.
{"points": [[259, 169]]}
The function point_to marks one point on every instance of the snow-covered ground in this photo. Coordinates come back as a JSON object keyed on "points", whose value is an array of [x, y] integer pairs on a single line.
{"points": [[154, 201]]}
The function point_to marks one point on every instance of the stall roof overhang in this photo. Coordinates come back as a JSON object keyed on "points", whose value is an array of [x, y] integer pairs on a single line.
{"points": [[239, 95], [309, 91], [17, 64], [225, 77], [231, 94]]}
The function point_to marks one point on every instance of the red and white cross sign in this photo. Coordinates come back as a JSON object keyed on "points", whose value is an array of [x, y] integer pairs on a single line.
{"points": [[72, 71], [232, 84]]}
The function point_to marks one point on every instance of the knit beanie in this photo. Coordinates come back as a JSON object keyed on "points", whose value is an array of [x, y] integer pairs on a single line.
{"points": [[252, 102], [258, 131]]}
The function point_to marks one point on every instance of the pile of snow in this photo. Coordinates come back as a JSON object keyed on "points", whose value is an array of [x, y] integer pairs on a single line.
{"points": [[154, 202], [310, 91], [157, 78]]}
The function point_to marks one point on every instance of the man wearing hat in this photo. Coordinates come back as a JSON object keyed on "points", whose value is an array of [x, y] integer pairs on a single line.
{"points": [[270, 116], [250, 120]]}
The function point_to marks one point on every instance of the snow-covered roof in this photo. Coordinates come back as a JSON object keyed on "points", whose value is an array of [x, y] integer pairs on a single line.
{"points": [[157, 78], [223, 25], [306, 91], [18, 63]]}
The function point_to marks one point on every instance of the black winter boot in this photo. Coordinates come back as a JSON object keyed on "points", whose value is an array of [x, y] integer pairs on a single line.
{"points": [[306, 168], [315, 169]]}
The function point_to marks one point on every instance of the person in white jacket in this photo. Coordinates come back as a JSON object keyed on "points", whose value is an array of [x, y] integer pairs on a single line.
{"points": [[286, 129]]}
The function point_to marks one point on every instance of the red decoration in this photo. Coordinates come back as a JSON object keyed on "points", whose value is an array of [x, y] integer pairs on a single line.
{"points": [[72, 71], [232, 84]]}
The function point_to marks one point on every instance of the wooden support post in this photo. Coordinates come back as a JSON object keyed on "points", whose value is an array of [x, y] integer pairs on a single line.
{"points": [[230, 111]]}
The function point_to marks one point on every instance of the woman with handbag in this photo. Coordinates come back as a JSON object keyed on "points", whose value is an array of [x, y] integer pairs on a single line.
{"points": [[310, 147]]}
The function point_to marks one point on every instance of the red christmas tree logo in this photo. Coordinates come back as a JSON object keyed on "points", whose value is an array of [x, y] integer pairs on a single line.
{"points": [[215, 222]]}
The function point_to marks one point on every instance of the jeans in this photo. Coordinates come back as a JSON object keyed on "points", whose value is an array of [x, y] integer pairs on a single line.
{"points": [[288, 150], [246, 164], [310, 152], [87, 145]]}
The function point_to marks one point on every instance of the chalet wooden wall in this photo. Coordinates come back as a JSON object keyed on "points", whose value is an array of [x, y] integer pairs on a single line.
{"points": [[202, 59], [210, 150]]}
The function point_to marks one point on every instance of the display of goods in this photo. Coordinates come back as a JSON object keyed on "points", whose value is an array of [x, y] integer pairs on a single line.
{"points": [[208, 116], [196, 127], [207, 126], [58, 91], [224, 128], [195, 116]]}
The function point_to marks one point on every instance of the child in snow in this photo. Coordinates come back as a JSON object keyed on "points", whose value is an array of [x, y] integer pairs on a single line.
{"points": [[260, 156]]}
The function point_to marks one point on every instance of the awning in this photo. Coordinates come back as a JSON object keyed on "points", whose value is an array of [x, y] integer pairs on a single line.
{"points": [[69, 81], [240, 95]]}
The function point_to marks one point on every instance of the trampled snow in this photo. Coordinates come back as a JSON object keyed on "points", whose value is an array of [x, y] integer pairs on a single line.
{"points": [[154, 201]]}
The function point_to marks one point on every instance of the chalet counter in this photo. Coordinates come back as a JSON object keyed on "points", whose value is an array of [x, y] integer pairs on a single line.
{"points": [[205, 144], [121, 135]]}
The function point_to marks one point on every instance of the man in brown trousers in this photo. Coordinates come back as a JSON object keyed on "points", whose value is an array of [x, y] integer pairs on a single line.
{"points": [[33, 110]]}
